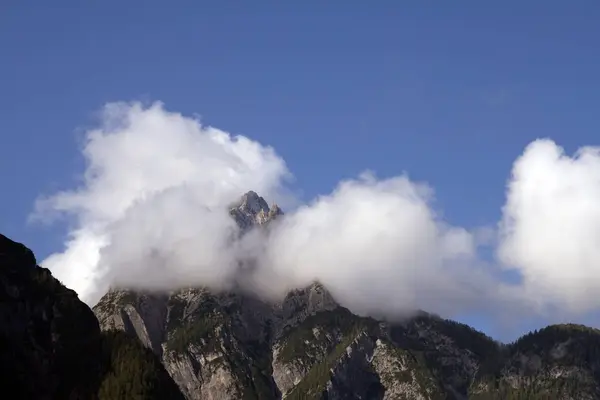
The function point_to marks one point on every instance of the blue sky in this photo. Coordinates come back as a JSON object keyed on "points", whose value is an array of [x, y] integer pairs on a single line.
{"points": [[450, 92]]}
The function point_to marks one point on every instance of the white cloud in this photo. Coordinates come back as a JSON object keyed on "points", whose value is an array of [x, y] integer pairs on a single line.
{"points": [[150, 176], [77, 266], [152, 213], [550, 231], [377, 245]]}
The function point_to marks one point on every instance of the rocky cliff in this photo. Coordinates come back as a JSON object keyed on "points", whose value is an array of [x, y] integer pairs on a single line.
{"points": [[228, 346]]}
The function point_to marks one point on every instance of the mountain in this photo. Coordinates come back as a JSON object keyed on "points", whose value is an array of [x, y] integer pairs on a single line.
{"points": [[194, 343], [231, 345], [51, 345]]}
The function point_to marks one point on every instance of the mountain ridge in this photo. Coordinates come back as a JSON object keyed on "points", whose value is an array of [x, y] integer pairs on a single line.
{"points": [[314, 336]]}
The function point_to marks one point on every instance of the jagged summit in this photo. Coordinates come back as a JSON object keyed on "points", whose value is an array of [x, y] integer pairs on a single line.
{"points": [[252, 203], [252, 209]]}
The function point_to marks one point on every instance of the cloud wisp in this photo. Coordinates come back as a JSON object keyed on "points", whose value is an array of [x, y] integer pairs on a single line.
{"points": [[151, 213]]}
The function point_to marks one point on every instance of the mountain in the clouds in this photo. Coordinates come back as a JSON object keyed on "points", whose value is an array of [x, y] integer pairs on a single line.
{"points": [[228, 345], [195, 343], [252, 210]]}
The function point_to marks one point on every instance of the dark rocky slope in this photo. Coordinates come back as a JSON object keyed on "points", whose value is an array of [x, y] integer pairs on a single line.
{"points": [[51, 346]]}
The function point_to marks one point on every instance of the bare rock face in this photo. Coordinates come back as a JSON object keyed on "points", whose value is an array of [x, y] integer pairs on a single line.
{"points": [[212, 343], [140, 314], [401, 373], [300, 304], [253, 210], [352, 374], [309, 324], [230, 345]]}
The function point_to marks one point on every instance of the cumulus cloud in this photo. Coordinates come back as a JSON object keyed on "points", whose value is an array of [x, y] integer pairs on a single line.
{"points": [[152, 213], [154, 180], [379, 248], [550, 230]]}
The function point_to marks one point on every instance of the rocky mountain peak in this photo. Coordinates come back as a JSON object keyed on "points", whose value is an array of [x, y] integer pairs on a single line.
{"points": [[275, 211], [253, 210], [252, 203]]}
